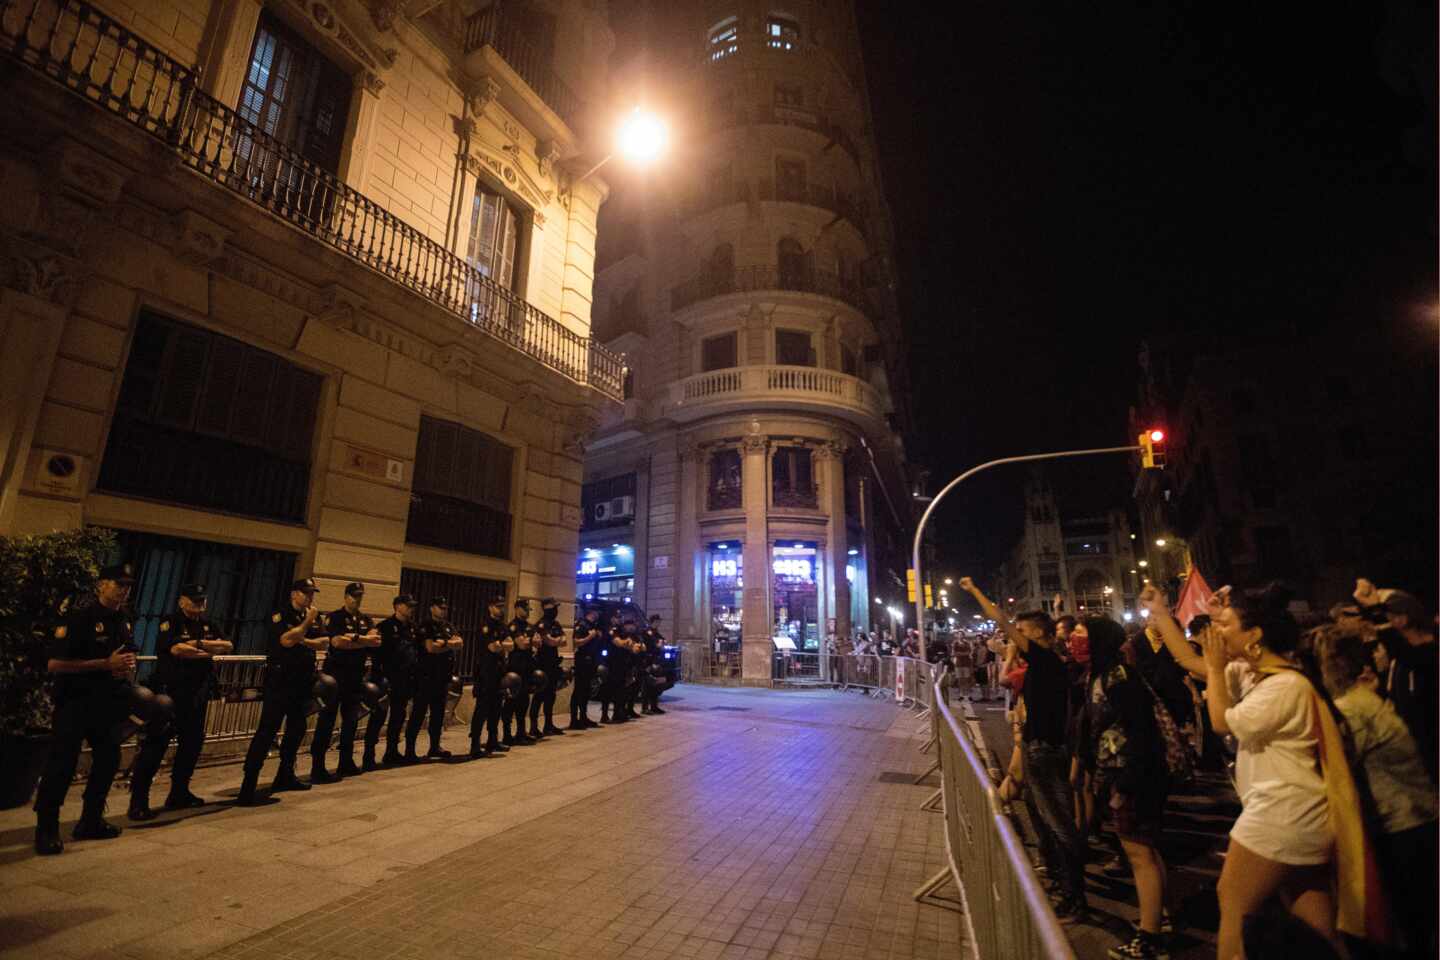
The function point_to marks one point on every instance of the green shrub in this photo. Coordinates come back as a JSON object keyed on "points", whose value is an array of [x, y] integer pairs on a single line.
{"points": [[39, 576]]}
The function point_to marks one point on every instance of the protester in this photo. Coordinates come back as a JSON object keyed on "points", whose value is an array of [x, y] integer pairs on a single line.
{"points": [[1413, 674], [1119, 741], [1290, 763], [1400, 791]]}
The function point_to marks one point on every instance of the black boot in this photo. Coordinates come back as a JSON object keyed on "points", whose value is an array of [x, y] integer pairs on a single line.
{"points": [[140, 803], [392, 757], [318, 773], [535, 733], [47, 834], [550, 730], [411, 757], [285, 779], [477, 752], [655, 708], [347, 768], [436, 752], [368, 762], [181, 798], [94, 826]]}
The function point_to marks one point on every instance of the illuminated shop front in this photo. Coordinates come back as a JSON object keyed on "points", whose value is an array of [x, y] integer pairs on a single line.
{"points": [[796, 596], [606, 572], [726, 570]]}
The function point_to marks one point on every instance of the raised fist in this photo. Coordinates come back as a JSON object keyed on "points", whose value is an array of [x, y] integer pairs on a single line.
{"points": [[967, 584]]}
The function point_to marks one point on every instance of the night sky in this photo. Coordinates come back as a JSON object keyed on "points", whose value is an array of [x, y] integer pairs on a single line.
{"points": [[1067, 179]]}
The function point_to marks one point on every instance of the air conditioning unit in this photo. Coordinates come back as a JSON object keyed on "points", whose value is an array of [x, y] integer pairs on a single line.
{"points": [[620, 508]]}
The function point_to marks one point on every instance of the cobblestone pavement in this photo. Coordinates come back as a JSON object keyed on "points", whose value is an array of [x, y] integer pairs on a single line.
{"points": [[743, 825], [1197, 825]]}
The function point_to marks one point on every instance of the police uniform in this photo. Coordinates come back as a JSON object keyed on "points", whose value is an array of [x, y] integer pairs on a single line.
{"points": [[88, 708], [432, 684], [585, 653], [655, 648], [489, 667], [612, 692], [634, 675], [395, 666], [289, 688], [347, 666], [520, 662], [548, 634], [187, 681]]}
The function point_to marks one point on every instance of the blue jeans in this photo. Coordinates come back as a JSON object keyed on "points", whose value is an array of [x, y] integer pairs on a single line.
{"points": [[1047, 785]]}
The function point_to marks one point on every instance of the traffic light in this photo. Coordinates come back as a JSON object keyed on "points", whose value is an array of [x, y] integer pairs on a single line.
{"points": [[929, 599], [1152, 449], [910, 584]]}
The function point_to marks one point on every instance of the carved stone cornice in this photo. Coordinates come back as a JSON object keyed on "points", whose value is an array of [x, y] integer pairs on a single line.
{"points": [[547, 153], [831, 450], [197, 240], [481, 92], [755, 443], [511, 175], [40, 273], [384, 12]]}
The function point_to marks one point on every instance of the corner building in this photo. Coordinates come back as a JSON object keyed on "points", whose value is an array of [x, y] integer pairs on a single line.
{"points": [[753, 488], [293, 288]]}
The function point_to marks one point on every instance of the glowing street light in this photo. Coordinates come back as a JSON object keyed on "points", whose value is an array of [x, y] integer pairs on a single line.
{"points": [[1160, 542], [949, 580], [640, 138], [1144, 563]]}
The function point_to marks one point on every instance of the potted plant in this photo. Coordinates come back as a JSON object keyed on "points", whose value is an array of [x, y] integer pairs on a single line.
{"points": [[39, 576]]}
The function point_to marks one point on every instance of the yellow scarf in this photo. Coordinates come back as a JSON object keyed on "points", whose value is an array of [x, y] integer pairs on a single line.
{"points": [[1360, 904]]}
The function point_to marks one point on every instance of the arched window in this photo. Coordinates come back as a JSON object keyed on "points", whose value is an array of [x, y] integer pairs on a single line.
{"points": [[792, 265]]}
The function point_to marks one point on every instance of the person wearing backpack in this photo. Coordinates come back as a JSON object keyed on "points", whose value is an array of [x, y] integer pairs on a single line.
{"points": [[1119, 740]]}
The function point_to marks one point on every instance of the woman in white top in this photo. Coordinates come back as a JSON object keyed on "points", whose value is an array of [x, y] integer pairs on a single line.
{"points": [[1282, 842]]}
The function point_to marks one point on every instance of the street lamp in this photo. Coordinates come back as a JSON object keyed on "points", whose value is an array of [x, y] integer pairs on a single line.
{"points": [[949, 581], [1144, 563], [1160, 542], [640, 138]]}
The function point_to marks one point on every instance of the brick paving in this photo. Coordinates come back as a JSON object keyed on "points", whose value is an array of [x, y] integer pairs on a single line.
{"points": [[744, 825]]}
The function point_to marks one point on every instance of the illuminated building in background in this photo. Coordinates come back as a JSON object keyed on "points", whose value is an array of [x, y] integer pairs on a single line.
{"points": [[757, 468]]}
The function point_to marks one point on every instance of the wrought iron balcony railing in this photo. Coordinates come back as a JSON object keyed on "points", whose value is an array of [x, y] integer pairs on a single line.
{"points": [[721, 194], [104, 62], [489, 27], [752, 279]]}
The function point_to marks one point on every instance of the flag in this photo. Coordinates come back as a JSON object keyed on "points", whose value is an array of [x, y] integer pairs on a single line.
{"points": [[1194, 598]]}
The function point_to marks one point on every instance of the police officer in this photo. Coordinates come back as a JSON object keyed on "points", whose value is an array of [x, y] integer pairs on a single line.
{"points": [[297, 631], [616, 654], [396, 663], [655, 644], [586, 636], [92, 654], [185, 646], [437, 642], [519, 661], [489, 666], [548, 636], [352, 637], [634, 676]]}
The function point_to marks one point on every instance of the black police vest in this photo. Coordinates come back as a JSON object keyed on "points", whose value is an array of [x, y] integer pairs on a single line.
{"points": [[397, 646], [93, 633], [348, 662], [189, 673], [435, 664], [299, 659]]}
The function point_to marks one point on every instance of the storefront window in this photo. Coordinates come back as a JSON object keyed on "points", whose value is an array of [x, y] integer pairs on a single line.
{"points": [[797, 598], [606, 572], [727, 587]]}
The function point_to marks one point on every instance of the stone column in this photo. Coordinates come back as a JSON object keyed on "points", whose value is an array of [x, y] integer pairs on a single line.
{"points": [[756, 646], [830, 459], [689, 625]]}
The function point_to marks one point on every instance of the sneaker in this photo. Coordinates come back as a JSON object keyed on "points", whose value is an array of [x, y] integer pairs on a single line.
{"points": [[1142, 946], [1167, 926]]}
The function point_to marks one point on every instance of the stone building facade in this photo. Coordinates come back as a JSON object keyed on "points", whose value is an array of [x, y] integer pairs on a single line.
{"points": [[1092, 562], [753, 488], [304, 288]]}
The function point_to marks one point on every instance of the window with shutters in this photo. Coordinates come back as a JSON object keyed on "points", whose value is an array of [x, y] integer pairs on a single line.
{"points": [[719, 353], [793, 349], [211, 422], [792, 481], [461, 496], [294, 94], [494, 237]]}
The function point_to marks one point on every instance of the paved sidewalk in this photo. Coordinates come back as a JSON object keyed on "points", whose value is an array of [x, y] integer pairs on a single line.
{"points": [[743, 825]]}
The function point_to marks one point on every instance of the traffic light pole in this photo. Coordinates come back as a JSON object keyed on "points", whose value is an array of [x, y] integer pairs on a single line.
{"points": [[925, 517]]}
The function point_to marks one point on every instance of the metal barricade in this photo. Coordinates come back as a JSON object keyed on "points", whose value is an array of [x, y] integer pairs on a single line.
{"points": [[1008, 912], [793, 668]]}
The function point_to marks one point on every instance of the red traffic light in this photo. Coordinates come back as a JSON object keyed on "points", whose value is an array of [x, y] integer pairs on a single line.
{"points": [[1157, 435]]}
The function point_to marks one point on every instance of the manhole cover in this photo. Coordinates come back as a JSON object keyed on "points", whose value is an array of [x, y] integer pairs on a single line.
{"points": [[733, 709]]}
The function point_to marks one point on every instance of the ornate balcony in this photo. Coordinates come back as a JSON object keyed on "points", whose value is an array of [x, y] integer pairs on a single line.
{"points": [[799, 388], [757, 279], [104, 62], [489, 28], [844, 205]]}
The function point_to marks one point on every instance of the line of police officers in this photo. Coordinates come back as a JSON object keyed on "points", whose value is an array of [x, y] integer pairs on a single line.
{"points": [[387, 667]]}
